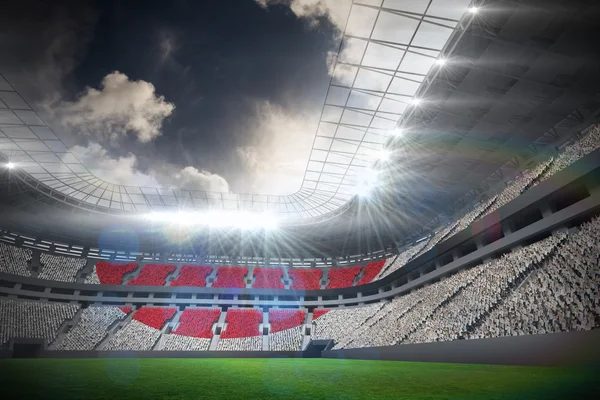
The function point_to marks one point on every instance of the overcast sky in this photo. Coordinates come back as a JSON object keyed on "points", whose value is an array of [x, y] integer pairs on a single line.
{"points": [[215, 94]]}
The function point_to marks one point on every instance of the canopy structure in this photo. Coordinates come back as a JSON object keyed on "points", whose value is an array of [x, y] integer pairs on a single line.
{"points": [[389, 52]]}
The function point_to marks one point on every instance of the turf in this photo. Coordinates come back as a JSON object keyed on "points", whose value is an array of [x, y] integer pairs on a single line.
{"points": [[178, 379]]}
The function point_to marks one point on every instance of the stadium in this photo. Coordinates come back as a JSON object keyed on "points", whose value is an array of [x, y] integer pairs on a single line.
{"points": [[300, 199]]}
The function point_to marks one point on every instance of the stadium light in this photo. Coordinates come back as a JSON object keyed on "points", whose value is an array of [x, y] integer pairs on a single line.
{"points": [[397, 132], [10, 165], [415, 102], [216, 219], [368, 181], [474, 10], [441, 62], [385, 155]]}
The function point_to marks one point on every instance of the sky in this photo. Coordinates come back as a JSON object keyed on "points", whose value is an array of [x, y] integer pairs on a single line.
{"points": [[219, 95]]}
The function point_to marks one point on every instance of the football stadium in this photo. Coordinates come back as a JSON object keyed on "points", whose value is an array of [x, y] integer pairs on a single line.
{"points": [[300, 199]]}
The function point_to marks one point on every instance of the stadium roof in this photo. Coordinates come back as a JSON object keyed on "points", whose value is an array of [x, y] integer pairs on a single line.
{"points": [[389, 55]]}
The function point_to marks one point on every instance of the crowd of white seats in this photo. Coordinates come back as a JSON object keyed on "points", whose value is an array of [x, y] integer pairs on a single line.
{"points": [[453, 320], [59, 268], [134, 336], [402, 259], [13, 260], [474, 214], [172, 342], [92, 278], [562, 295], [252, 343], [286, 340], [574, 152], [91, 328], [339, 323], [33, 319]]}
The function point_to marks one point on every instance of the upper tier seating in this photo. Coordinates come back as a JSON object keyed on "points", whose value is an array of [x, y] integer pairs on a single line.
{"points": [[33, 319], [268, 278], [197, 322], [285, 319], [305, 279], [242, 322], [192, 275], [372, 270], [153, 275], [156, 317], [109, 273], [403, 258], [59, 268], [13, 260], [342, 277], [91, 328], [230, 277], [319, 312]]}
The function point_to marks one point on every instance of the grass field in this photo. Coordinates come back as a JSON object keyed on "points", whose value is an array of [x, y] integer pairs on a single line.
{"points": [[178, 379]]}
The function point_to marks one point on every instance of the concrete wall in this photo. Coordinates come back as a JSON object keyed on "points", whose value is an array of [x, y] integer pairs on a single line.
{"points": [[553, 349]]}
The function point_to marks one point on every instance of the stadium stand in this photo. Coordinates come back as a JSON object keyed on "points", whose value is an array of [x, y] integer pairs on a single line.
{"points": [[286, 340], [59, 268], [241, 332], [372, 270], [403, 258], [338, 323], [91, 328], [342, 277], [33, 319], [13, 260], [319, 312], [197, 322], [286, 331], [184, 343], [155, 317], [305, 279], [280, 320], [134, 336], [192, 275], [108, 273], [153, 275], [268, 278], [230, 277]]}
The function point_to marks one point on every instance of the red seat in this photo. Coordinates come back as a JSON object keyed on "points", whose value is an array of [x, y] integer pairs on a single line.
{"points": [[192, 275], [230, 277], [268, 278], [319, 312], [155, 317], [112, 273], [285, 319], [197, 322], [372, 269], [342, 277], [242, 322], [153, 275], [305, 279]]}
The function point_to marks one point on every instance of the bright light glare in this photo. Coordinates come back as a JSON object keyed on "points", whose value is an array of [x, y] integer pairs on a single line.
{"points": [[416, 102], [473, 10], [385, 155], [397, 132], [368, 181], [441, 62], [216, 219], [10, 165]]}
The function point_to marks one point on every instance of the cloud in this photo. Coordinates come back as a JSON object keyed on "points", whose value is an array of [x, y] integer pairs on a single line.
{"points": [[336, 11], [121, 106], [124, 171], [280, 142]]}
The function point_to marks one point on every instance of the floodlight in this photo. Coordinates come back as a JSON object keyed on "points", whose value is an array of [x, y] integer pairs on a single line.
{"points": [[385, 155], [415, 102], [441, 62], [397, 132], [474, 10], [10, 165], [368, 181]]}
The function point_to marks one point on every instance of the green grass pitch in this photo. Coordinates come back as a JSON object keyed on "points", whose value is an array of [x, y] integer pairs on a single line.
{"points": [[311, 379]]}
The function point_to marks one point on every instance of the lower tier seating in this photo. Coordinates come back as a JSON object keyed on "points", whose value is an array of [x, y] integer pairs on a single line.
{"points": [[253, 343], [242, 322], [33, 319], [197, 322], [91, 328], [155, 317], [230, 277], [134, 336], [268, 278], [13, 260], [285, 319], [286, 340], [192, 275], [153, 275], [184, 343], [305, 279], [342, 277], [108, 273], [59, 268], [338, 323]]}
